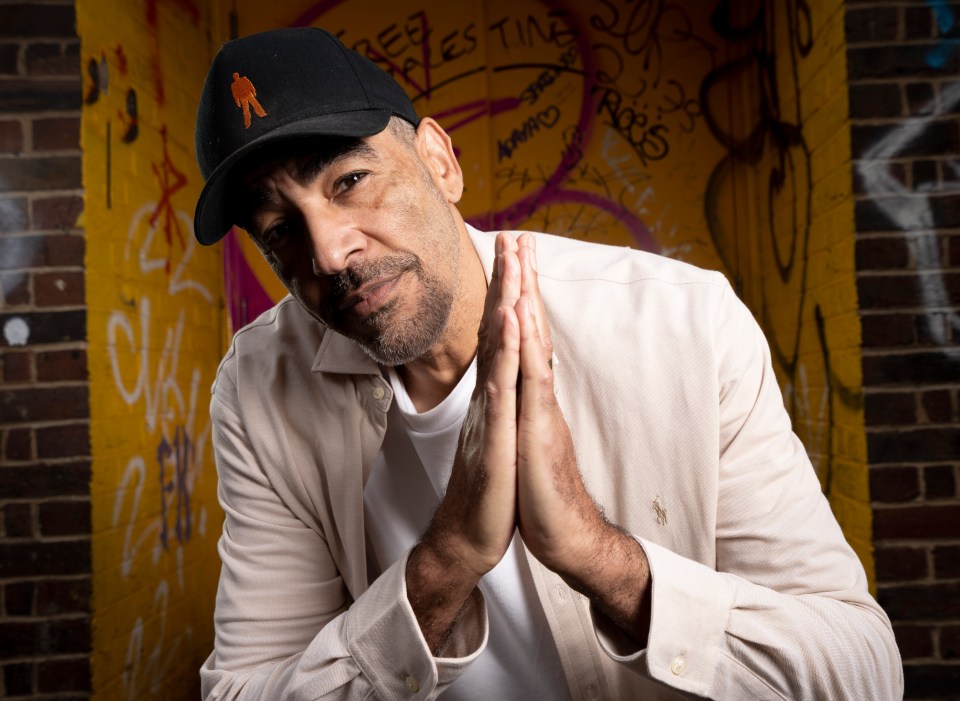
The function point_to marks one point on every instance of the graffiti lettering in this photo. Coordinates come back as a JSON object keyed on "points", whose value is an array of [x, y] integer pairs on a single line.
{"points": [[545, 119], [648, 141], [532, 92], [528, 32], [181, 452]]}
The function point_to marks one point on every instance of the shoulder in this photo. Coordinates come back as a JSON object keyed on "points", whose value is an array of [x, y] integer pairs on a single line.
{"points": [[283, 333]]}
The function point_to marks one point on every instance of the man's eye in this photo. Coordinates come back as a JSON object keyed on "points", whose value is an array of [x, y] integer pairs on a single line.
{"points": [[277, 235], [347, 182]]}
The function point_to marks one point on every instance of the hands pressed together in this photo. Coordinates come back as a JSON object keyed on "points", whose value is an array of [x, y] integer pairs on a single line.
{"points": [[516, 469]]}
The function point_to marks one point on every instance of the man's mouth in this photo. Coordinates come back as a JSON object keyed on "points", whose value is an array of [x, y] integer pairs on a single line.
{"points": [[370, 296]]}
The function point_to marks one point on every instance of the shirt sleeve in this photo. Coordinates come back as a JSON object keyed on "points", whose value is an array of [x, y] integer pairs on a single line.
{"points": [[786, 613], [285, 625]]}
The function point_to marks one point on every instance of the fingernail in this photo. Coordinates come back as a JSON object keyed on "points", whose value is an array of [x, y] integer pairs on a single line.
{"points": [[499, 244], [500, 264]]}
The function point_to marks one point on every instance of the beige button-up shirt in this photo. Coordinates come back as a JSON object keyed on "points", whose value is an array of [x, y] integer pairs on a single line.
{"points": [[681, 435]]}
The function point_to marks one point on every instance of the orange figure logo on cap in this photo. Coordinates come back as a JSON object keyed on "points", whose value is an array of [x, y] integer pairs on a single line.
{"points": [[244, 94]]}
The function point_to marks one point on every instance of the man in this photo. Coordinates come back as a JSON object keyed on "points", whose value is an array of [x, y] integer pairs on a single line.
{"points": [[492, 465]]}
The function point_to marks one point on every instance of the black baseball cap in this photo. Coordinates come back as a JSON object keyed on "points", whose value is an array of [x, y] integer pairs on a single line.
{"points": [[275, 87]]}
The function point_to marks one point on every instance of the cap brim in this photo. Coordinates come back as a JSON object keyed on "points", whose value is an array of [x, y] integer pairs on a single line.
{"points": [[212, 219]]}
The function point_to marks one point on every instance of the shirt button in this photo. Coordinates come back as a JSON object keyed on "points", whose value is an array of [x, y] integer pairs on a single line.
{"points": [[379, 393], [413, 686], [678, 665]]}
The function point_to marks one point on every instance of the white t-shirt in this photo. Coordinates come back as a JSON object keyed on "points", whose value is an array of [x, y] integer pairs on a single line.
{"points": [[408, 478]]}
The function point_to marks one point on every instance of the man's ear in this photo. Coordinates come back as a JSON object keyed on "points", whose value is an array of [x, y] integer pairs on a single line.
{"points": [[436, 151]]}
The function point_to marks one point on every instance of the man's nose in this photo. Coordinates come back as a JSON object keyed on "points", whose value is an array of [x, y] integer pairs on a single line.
{"points": [[334, 239]]}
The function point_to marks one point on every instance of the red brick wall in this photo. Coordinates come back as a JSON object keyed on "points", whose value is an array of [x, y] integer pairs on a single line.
{"points": [[903, 63], [44, 407]]}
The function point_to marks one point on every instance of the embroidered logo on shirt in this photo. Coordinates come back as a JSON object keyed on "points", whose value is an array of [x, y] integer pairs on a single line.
{"points": [[660, 511], [245, 95]]}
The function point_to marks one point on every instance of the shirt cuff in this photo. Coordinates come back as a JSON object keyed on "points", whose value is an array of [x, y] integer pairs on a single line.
{"points": [[690, 605], [383, 636]]}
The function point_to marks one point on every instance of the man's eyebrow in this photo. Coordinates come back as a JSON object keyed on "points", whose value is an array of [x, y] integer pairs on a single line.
{"points": [[318, 162], [254, 198]]}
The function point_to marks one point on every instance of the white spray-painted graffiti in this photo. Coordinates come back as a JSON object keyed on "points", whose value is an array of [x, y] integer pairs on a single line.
{"points": [[914, 214], [153, 381]]}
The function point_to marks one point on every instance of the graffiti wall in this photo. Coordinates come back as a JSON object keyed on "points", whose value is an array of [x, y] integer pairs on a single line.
{"points": [[713, 132], [155, 338]]}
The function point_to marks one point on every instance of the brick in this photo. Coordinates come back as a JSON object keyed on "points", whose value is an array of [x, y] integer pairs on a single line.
{"points": [[882, 253], [51, 251], [18, 444], [44, 59], [896, 564], [18, 520], [950, 642], [42, 173], [953, 250], [17, 366], [63, 675], [939, 482], [938, 406], [62, 596], [11, 137], [925, 176], [39, 558], [63, 251], [62, 365], [896, 408], [31, 20], [925, 522], [915, 642], [887, 330], [9, 58], [56, 212], [13, 215], [18, 598], [921, 445], [894, 484], [53, 95], [921, 601], [938, 139], [930, 681], [53, 327], [909, 369], [17, 252], [58, 289], [56, 134], [946, 211], [892, 291], [917, 23], [18, 679], [44, 404], [39, 481], [895, 172], [921, 99], [16, 290], [896, 61], [63, 441], [36, 638], [872, 24], [946, 561], [874, 100], [62, 518]]}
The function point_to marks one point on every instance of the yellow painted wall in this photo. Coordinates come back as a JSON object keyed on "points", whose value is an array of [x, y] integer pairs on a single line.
{"points": [[155, 329], [713, 132]]}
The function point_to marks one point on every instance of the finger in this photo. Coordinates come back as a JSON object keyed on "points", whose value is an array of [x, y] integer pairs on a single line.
{"points": [[530, 289], [487, 333], [536, 388]]}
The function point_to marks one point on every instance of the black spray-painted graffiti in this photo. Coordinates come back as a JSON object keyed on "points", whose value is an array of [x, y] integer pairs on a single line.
{"points": [[775, 153], [174, 487]]}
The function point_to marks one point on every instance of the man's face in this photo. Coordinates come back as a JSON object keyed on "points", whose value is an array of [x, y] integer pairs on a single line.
{"points": [[363, 238]]}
